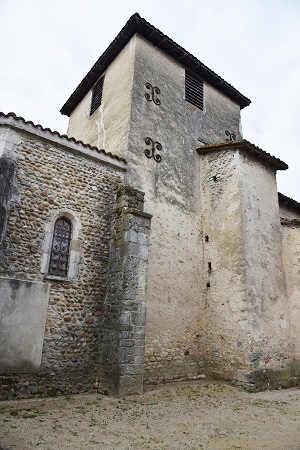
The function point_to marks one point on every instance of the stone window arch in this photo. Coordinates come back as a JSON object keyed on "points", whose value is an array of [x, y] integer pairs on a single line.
{"points": [[61, 252]]}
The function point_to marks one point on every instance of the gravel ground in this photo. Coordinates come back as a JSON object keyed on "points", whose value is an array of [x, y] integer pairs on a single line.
{"points": [[204, 415]]}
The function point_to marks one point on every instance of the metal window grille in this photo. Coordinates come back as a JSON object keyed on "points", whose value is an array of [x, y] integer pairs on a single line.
{"points": [[194, 90], [97, 95], [60, 249]]}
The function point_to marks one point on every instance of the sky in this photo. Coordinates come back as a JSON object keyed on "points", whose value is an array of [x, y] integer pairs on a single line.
{"points": [[48, 46]]}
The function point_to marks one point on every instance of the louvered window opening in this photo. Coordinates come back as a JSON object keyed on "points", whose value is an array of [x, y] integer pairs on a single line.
{"points": [[194, 90], [60, 249], [97, 95]]}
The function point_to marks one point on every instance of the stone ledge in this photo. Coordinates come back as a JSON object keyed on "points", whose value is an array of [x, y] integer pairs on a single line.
{"points": [[56, 278], [137, 212]]}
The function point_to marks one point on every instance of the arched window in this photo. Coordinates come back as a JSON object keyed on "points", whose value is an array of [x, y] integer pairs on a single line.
{"points": [[60, 248]]}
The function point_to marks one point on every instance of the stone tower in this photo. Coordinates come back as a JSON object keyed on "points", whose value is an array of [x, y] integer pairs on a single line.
{"points": [[216, 297]]}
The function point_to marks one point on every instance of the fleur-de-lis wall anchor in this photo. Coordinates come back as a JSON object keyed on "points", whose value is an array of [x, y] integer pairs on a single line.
{"points": [[153, 95], [151, 153], [231, 136]]}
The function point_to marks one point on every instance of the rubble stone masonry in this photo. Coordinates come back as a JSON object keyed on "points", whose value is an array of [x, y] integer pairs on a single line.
{"points": [[50, 177]]}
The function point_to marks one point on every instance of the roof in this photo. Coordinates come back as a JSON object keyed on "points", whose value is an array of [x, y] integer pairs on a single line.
{"points": [[290, 222], [289, 202], [257, 152], [11, 119], [137, 24]]}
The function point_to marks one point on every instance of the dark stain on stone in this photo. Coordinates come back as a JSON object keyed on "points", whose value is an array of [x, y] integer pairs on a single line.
{"points": [[7, 172]]}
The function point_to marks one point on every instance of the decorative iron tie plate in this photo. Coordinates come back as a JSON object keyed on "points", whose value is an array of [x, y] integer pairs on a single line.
{"points": [[232, 136], [151, 153], [152, 96]]}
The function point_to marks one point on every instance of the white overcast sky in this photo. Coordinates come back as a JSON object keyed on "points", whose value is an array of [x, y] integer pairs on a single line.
{"points": [[48, 46]]}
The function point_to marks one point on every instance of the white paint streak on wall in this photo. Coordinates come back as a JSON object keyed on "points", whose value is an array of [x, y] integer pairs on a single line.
{"points": [[100, 130]]}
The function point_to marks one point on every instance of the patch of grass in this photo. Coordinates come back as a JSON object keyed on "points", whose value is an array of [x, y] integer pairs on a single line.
{"points": [[29, 415], [81, 409], [26, 413], [56, 425], [280, 402], [74, 433], [94, 422], [260, 402]]}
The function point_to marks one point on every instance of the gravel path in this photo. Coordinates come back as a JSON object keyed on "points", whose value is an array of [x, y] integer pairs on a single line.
{"points": [[172, 417]]}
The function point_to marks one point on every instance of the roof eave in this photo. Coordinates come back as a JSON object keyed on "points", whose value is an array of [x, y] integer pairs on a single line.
{"points": [[288, 202], [252, 149], [134, 25], [18, 122]]}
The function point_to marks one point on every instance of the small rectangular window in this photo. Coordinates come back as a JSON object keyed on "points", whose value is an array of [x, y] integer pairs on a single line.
{"points": [[193, 90], [97, 95]]}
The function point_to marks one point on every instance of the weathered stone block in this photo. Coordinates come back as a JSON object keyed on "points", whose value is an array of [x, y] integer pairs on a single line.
{"points": [[23, 307]]}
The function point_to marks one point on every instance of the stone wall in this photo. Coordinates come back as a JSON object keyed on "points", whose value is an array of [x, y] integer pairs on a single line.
{"points": [[7, 171], [53, 177], [108, 126], [246, 309], [224, 265], [291, 255], [174, 329], [125, 305], [7, 178], [268, 322]]}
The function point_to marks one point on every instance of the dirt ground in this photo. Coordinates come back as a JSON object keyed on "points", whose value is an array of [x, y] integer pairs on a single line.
{"points": [[206, 415]]}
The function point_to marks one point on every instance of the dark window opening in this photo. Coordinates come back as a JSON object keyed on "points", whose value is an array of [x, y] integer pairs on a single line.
{"points": [[97, 95], [194, 90], [60, 249]]}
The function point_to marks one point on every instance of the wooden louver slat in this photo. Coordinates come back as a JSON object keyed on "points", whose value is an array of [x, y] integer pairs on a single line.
{"points": [[194, 90], [97, 95]]}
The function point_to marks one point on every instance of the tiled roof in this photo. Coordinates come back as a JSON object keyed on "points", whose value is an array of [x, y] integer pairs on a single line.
{"points": [[289, 202], [257, 152], [68, 139], [137, 24], [290, 222]]}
